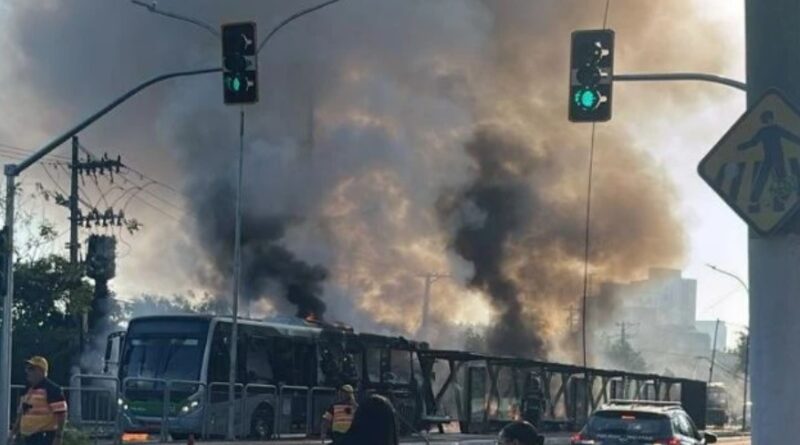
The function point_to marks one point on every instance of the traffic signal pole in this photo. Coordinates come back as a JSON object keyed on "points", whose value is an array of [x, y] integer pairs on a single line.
{"points": [[11, 172], [772, 62]]}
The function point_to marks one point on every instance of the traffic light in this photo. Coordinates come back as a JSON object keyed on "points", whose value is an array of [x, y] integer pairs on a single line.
{"points": [[240, 63], [591, 71]]}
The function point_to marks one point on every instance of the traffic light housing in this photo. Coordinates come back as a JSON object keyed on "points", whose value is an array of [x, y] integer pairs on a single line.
{"points": [[240, 63], [591, 73]]}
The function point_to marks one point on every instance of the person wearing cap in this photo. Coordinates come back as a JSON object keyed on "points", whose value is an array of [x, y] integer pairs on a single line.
{"points": [[520, 433], [339, 416], [43, 409]]}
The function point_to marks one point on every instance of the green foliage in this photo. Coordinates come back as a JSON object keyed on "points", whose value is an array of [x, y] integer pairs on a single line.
{"points": [[475, 341], [176, 304], [49, 296], [623, 355], [741, 352], [74, 436]]}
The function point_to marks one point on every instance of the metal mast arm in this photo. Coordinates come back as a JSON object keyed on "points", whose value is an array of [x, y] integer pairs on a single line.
{"points": [[646, 77]]}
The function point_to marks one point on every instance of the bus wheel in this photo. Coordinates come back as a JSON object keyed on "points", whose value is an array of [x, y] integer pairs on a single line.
{"points": [[262, 422]]}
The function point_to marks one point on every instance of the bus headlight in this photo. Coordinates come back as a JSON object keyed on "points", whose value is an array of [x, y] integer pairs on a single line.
{"points": [[191, 406]]}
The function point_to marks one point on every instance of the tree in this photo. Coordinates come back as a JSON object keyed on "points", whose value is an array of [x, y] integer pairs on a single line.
{"points": [[740, 351], [475, 341], [48, 292], [623, 356]]}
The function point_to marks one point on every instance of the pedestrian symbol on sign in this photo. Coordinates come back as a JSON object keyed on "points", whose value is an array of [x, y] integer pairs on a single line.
{"points": [[755, 167], [770, 137]]}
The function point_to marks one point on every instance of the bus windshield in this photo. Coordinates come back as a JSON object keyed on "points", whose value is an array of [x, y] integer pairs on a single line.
{"points": [[170, 349]]}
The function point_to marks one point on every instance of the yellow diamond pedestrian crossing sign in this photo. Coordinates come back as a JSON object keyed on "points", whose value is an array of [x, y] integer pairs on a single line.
{"points": [[755, 167]]}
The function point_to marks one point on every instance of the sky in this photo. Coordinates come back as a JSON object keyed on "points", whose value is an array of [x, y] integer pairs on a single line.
{"points": [[672, 125]]}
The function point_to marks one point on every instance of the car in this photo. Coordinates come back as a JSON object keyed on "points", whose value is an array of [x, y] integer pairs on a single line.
{"points": [[641, 422]]}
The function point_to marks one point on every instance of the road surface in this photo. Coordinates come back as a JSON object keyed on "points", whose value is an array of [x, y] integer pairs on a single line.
{"points": [[455, 440]]}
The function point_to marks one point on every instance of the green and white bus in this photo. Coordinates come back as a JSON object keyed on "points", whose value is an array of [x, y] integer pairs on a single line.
{"points": [[173, 373]]}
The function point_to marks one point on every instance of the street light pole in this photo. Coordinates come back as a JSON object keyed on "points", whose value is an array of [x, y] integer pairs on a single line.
{"points": [[11, 172], [237, 282], [747, 344]]}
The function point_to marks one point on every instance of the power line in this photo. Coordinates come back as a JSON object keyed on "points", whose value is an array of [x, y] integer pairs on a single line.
{"points": [[24, 153], [61, 189], [605, 15], [145, 190], [161, 183]]}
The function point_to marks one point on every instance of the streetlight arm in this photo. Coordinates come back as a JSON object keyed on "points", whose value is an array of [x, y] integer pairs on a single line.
{"points": [[291, 18], [152, 8], [734, 276], [42, 152]]}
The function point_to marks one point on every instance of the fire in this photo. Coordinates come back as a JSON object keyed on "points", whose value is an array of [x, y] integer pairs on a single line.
{"points": [[312, 318]]}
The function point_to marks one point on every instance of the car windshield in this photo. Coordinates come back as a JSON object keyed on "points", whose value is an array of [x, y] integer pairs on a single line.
{"points": [[636, 424], [160, 349]]}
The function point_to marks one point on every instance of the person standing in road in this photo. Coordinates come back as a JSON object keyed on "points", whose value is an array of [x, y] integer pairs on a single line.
{"points": [[375, 423], [520, 433], [43, 409], [339, 416]]}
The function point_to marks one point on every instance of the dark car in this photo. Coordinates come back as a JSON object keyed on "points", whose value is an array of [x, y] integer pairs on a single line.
{"points": [[641, 422]]}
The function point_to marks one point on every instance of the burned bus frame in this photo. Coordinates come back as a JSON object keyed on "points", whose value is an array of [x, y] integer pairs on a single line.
{"points": [[481, 405]]}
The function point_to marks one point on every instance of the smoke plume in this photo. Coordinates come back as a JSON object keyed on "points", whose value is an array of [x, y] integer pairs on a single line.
{"points": [[489, 214], [393, 140]]}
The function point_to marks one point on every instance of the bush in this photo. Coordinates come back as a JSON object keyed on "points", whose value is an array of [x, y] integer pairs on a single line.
{"points": [[74, 436]]}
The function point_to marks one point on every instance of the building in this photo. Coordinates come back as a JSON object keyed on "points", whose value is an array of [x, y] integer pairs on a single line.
{"points": [[708, 327], [660, 313]]}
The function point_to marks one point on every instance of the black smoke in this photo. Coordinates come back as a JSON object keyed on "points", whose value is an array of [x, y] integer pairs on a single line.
{"points": [[488, 213], [268, 267]]}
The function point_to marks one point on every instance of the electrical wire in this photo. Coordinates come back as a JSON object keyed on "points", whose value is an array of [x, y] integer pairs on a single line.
{"points": [[586, 250], [161, 183], [138, 189], [47, 172], [145, 190], [24, 152]]}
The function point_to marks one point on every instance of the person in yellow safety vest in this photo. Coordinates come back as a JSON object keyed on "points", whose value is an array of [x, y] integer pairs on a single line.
{"points": [[42, 410], [339, 416]]}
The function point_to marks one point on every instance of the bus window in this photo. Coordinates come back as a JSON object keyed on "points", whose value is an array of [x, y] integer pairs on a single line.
{"points": [[400, 366], [219, 359], [373, 357], [305, 364], [283, 360], [259, 368]]}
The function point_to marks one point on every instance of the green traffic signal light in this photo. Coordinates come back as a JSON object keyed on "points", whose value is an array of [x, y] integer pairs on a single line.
{"points": [[587, 99], [234, 82]]}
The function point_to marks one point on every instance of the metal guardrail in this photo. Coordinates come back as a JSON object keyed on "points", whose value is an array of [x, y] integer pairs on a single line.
{"points": [[298, 393], [314, 415]]}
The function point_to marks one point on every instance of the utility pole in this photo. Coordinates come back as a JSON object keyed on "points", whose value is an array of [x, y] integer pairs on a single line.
{"points": [[773, 62], [746, 375], [430, 278], [11, 171], [73, 205], [623, 334], [713, 353], [573, 317], [747, 345]]}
